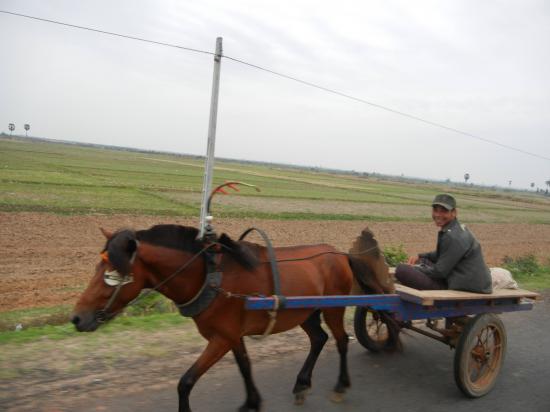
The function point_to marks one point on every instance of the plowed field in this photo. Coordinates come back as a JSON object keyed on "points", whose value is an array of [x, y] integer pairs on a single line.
{"points": [[47, 259]]}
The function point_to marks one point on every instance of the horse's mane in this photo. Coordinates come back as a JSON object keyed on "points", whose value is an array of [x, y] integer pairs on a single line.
{"points": [[172, 236], [241, 251], [185, 238]]}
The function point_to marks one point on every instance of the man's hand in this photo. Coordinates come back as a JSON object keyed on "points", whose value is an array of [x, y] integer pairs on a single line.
{"points": [[413, 260]]}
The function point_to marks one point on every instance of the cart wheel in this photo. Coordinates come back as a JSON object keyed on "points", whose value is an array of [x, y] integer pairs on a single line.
{"points": [[372, 329], [479, 355]]}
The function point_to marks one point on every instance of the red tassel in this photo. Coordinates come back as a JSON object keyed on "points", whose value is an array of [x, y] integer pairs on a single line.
{"points": [[104, 256]]}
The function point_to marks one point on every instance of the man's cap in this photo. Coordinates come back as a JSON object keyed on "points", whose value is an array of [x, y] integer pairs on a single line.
{"points": [[445, 200]]}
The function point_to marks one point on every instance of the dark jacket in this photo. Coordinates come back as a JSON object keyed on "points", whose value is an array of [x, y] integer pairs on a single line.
{"points": [[458, 260]]}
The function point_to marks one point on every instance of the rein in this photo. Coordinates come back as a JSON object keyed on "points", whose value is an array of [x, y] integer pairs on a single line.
{"points": [[213, 282]]}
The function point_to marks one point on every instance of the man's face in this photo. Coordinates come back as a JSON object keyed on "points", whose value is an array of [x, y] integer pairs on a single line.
{"points": [[442, 216]]}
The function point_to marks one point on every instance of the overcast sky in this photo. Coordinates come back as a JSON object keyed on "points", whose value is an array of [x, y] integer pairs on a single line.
{"points": [[482, 67]]}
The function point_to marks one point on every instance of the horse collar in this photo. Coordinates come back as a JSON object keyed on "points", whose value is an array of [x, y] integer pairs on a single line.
{"points": [[208, 291]]}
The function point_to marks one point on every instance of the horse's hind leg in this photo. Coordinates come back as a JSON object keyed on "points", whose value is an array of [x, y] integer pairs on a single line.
{"points": [[253, 399], [317, 337], [334, 318]]}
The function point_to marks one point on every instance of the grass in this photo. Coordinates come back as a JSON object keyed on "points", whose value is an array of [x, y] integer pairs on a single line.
{"points": [[48, 353], [150, 322], [35, 317], [152, 311], [63, 178], [529, 272], [395, 255]]}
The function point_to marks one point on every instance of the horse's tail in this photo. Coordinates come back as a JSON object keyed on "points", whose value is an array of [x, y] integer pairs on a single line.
{"points": [[370, 270], [371, 276]]}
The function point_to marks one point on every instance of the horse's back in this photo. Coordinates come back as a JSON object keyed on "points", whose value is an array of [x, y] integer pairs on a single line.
{"points": [[314, 270]]}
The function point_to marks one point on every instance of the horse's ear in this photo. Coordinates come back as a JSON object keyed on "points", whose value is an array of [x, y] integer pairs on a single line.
{"points": [[106, 233]]}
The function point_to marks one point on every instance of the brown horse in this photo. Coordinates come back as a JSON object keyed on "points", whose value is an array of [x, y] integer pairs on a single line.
{"points": [[170, 259]]}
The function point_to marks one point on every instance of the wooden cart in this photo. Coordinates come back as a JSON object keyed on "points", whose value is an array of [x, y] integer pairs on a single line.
{"points": [[465, 321]]}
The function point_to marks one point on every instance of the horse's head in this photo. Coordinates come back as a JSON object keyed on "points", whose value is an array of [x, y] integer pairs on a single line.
{"points": [[118, 279]]}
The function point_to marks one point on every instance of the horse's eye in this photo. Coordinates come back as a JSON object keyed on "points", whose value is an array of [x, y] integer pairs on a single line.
{"points": [[112, 278]]}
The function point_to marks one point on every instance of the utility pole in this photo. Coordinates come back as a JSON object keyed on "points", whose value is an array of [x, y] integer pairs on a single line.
{"points": [[209, 161]]}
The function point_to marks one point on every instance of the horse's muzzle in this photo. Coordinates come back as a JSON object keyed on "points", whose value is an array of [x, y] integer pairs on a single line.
{"points": [[85, 322]]}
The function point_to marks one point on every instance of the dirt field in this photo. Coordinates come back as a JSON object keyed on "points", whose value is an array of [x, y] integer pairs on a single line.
{"points": [[46, 260]]}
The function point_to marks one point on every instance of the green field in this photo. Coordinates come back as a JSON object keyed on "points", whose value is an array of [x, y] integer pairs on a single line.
{"points": [[64, 178]]}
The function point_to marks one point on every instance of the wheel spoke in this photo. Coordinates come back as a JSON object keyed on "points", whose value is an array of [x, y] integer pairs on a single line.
{"points": [[474, 370]]}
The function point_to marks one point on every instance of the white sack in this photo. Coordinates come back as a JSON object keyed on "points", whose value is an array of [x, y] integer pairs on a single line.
{"points": [[502, 279]]}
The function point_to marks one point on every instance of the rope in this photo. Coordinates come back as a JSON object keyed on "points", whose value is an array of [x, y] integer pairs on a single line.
{"points": [[362, 252]]}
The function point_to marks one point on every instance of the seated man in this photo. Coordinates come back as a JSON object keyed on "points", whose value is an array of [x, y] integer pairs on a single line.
{"points": [[457, 263]]}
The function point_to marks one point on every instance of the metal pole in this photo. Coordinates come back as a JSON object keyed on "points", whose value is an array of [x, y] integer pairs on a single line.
{"points": [[209, 161]]}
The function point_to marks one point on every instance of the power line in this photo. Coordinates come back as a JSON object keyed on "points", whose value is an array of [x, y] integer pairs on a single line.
{"points": [[108, 32], [389, 109], [288, 77]]}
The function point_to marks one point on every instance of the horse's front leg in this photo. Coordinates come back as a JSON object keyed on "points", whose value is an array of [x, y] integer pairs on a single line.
{"points": [[214, 351], [253, 399]]}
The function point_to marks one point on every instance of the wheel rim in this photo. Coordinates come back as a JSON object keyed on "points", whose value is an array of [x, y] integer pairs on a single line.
{"points": [[376, 329], [485, 356]]}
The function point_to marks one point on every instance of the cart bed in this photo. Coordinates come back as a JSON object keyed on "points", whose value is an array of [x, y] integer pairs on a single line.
{"points": [[429, 297]]}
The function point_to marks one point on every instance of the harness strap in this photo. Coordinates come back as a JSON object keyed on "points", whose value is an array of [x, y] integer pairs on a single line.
{"points": [[102, 314], [272, 262], [280, 300], [204, 297], [208, 291], [272, 317]]}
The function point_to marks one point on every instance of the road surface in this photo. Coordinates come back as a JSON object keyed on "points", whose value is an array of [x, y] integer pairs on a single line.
{"points": [[418, 379]]}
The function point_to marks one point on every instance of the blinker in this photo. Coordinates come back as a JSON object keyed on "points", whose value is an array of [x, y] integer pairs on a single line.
{"points": [[113, 278]]}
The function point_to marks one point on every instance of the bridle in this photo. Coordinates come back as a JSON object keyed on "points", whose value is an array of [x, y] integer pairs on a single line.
{"points": [[115, 279]]}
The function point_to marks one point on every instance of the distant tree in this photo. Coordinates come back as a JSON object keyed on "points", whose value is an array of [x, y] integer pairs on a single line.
{"points": [[547, 183], [11, 126], [27, 127], [466, 177]]}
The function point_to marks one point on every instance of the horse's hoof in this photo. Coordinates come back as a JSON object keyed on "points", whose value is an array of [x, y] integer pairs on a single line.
{"points": [[337, 397], [245, 408], [300, 397]]}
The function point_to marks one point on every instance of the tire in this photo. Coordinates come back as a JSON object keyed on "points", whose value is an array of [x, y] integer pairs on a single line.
{"points": [[374, 330], [479, 355]]}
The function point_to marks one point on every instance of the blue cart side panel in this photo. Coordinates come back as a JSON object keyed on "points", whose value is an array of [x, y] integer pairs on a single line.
{"points": [[401, 309], [389, 302]]}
